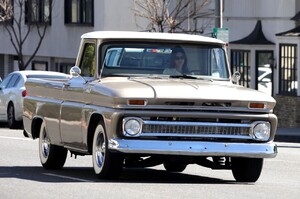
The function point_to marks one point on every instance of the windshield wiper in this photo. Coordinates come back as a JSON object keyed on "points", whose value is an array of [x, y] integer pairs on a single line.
{"points": [[184, 76]]}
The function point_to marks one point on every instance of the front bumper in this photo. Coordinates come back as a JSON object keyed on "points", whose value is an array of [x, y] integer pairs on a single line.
{"points": [[194, 148]]}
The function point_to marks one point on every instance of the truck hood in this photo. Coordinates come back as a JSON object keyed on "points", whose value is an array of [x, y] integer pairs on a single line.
{"points": [[167, 93], [183, 89]]}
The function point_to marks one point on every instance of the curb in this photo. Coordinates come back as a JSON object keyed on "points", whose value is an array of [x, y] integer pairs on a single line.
{"points": [[287, 135], [287, 138]]}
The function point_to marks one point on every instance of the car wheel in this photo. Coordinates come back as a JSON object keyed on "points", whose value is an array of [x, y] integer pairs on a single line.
{"points": [[174, 167], [51, 156], [106, 165], [11, 120], [246, 169]]}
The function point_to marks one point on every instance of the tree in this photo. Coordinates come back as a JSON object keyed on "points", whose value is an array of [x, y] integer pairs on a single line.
{"points": [[20, 18], [174, 15]]}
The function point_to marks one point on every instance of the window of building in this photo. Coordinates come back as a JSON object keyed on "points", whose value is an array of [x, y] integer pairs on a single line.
{"points": [[39, 65], [38, 11], [64, 67], [288, 69], [240, 61], [79, 12]]}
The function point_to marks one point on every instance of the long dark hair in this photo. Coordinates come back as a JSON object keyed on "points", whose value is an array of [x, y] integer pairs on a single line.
{"points": [[175, 50]]}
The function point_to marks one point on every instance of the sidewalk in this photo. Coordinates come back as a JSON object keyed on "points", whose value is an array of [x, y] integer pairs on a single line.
{"points": [[288, 135]]}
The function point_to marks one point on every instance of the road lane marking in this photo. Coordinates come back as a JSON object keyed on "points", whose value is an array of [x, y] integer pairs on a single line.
{"points": [[16, 138], [67, 177]]}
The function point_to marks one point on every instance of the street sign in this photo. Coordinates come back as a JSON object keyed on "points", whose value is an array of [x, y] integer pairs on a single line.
{"points": [[222, 34]]}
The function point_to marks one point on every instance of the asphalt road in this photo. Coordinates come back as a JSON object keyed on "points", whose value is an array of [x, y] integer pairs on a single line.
{"points": [[21, 176]]}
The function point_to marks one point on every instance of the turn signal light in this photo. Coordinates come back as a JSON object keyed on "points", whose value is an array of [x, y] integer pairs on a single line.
{"points": [[257, 105], [137, 102]]}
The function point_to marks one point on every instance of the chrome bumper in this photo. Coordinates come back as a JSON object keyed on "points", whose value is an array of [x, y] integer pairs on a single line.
{"points": [[194, 148]]}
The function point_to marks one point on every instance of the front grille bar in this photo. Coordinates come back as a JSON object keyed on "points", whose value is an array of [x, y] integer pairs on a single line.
{"points": [[195, 129]]}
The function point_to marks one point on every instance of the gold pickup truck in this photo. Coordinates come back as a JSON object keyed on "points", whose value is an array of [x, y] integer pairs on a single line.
{"points": [[143, 99]]}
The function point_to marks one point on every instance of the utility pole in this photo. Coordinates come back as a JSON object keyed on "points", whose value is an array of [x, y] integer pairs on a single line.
{"points": [[219, 13]]}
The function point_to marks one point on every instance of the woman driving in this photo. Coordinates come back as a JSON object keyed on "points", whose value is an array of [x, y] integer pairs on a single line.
{"points": [[178, 62]]}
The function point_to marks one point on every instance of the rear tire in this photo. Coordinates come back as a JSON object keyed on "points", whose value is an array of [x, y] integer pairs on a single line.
{"points": [[106, 165], [246, 169], [11, 120], [51, 156]]}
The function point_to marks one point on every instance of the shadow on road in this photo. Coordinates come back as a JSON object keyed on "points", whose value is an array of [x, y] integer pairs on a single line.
{"points": [[84, 174]]}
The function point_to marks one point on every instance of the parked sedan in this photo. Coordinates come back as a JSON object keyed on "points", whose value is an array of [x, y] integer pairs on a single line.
{"points": [[12, 92]]}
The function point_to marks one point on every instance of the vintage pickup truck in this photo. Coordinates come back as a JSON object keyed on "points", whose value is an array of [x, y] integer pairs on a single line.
{"points": [[143, 99]]}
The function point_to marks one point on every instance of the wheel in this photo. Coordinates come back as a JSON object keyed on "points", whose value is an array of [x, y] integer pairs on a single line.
{"points": [[11, 120], [246, 169], [106, 165], [51, 156], [174, 167]]}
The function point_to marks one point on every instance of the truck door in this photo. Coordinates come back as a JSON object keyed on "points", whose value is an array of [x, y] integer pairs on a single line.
{"points": [[75, 99]]}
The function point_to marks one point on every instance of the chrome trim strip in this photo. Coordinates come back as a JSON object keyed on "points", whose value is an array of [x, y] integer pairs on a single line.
{"points": [[194, 148], [211, 124], [197, 130], [195, 135]]}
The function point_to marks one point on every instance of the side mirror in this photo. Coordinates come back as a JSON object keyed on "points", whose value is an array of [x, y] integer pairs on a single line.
{"points": [[75, 71], [236, 77]]}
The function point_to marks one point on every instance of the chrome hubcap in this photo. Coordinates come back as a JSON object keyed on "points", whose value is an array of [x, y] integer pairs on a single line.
{"points": [[100, 150], [45, 145]]}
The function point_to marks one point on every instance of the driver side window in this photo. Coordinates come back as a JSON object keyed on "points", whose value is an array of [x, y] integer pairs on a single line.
{"points": [[88, 62]]}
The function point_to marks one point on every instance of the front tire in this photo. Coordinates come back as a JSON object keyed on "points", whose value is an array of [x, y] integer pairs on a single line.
{"points": [[51, 156], [246, 169], [106, 165]]}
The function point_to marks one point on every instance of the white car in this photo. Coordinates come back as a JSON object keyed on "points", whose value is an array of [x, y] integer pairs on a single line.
{"points": [[12, 92]]}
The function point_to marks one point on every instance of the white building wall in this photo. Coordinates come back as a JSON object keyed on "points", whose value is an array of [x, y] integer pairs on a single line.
{"points": [[62, 40], [241, 17], [116, 15]]}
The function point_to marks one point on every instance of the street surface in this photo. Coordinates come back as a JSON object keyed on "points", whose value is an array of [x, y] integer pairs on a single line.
{"points": [[22, 176]]}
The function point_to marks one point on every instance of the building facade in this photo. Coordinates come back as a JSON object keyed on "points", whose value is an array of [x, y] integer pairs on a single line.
{"points": [[264, 39], [264, 47], [69, 20]]}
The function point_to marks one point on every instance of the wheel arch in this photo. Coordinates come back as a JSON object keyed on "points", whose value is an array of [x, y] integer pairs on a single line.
{"points": [[95, 119], [36, 127]]}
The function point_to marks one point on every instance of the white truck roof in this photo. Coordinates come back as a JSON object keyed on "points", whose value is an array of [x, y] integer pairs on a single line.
{"points": [[150, 36]]}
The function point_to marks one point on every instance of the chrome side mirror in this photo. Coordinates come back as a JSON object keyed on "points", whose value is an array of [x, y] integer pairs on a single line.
{"points": [[236, 77], [75, 71]]}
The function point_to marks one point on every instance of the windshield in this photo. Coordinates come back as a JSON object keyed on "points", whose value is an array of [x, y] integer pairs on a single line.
{"points": [[164, 60]]}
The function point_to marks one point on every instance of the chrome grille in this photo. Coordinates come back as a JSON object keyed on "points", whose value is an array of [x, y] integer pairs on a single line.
{"points": [[196, 129]]}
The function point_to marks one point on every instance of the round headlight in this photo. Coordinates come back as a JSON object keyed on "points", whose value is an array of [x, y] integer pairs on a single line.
{"points": [[261, 131], [132, 127]]}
